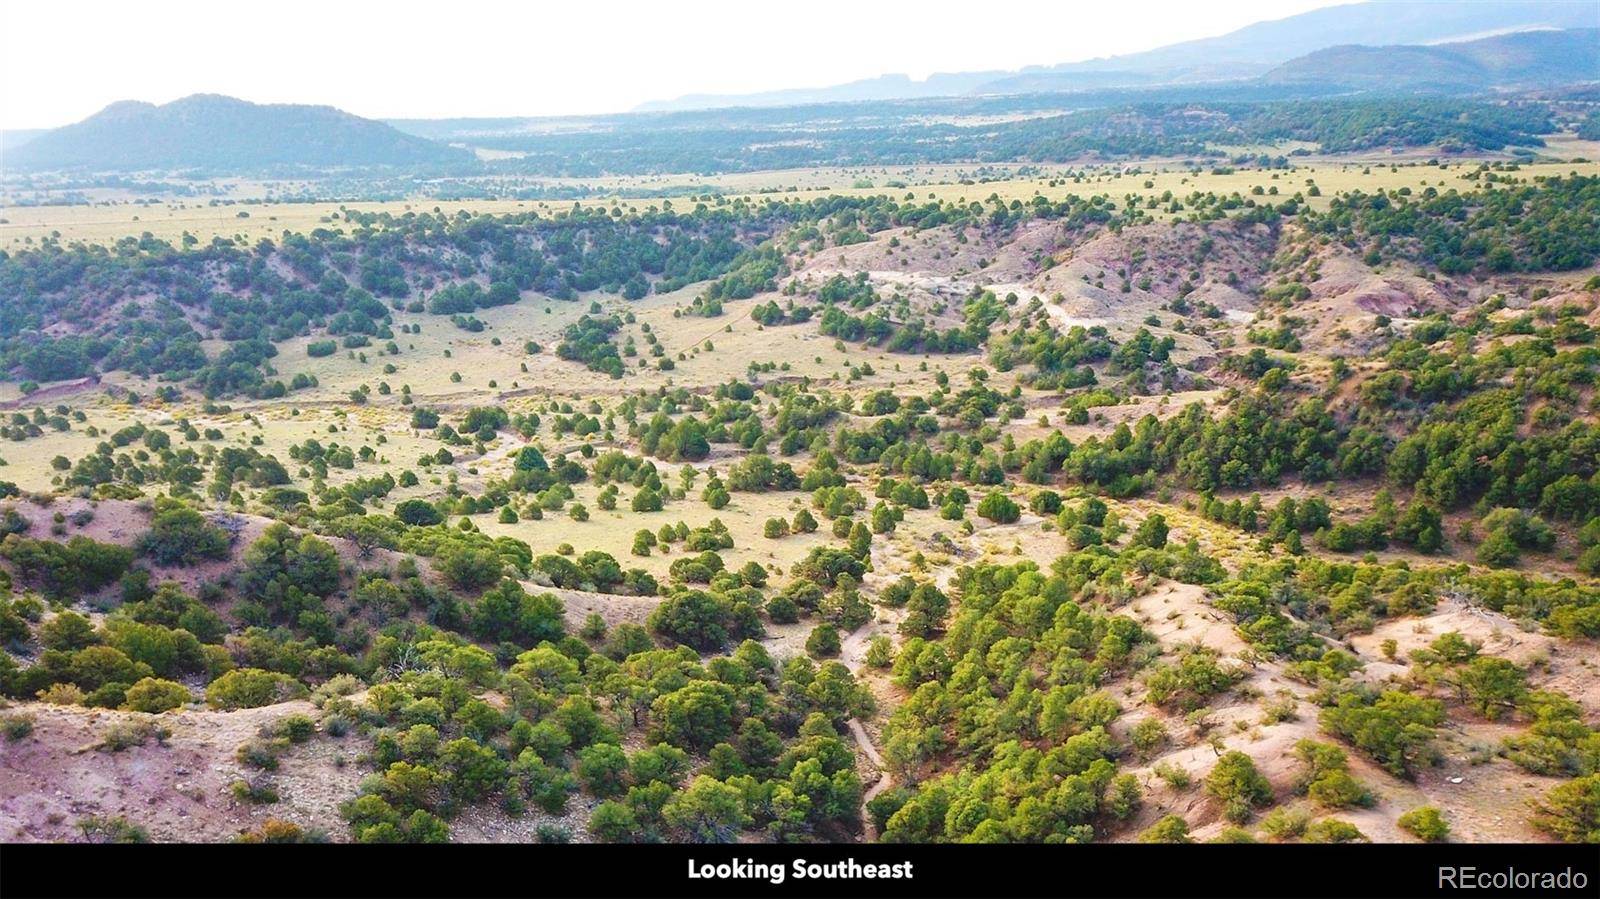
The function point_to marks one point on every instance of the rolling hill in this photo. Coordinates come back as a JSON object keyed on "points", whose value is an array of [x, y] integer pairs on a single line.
{"points": [[1524, 59], [215, 133]]}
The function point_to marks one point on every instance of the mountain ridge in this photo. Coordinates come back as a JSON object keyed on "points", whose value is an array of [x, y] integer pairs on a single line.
{"points": [[1521, 59], [1244, 53]]}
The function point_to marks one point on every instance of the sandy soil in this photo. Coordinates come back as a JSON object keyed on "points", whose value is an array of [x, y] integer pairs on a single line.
{"points": [[178, 790]]}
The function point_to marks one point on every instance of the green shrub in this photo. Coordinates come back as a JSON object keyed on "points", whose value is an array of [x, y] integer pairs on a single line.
{"points": [[417, 512], [260, 753], [1148, 735], [294, 728], [880, 652], [613, 822], [1394, 727], [249, 688], [1170, 829], [1176, 776], [1236, 782], [155, 695], [1571, 811], [1338, 789], [1425, 823], [999, 508], [823, 642], [1285, 822], [130, 733], [16, 727], [1152, 532], [96, 829], [1332, 830], [257, 793], [178, 535]]}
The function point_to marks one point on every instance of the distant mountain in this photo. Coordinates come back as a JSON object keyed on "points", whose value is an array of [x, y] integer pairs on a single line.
{"points": [[883, 87], [15, 137], [221, 134], [1245, 53], [1527, 59]]}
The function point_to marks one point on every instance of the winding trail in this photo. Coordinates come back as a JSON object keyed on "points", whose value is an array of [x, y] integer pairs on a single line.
{"points": [[885, 779], [853, 654]]}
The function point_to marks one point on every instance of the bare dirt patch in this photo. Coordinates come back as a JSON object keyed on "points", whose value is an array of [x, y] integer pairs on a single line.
{"points": [[178, 790]]}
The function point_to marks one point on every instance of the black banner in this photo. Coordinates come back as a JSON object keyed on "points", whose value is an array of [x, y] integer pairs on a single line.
{"points": [[1111, 870]]}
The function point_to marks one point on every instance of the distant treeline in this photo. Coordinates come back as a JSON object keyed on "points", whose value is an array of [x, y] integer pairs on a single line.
{"points": [[1160, 124]]}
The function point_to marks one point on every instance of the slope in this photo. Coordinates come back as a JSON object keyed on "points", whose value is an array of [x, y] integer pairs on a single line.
{"points": [[222, 134]]}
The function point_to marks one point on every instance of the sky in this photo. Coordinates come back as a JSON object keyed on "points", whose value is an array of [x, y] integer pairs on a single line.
{"points": [[63, 60]]}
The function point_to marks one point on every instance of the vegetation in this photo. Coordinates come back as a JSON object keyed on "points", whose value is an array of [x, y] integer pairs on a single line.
{"points": [[757, 515]]}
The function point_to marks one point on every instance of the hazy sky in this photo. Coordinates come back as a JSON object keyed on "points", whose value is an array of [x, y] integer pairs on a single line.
{"points": [[65, 59]]}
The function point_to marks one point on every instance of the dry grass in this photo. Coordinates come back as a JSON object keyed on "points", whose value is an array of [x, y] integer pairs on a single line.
{"points": [[116, 215]]}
